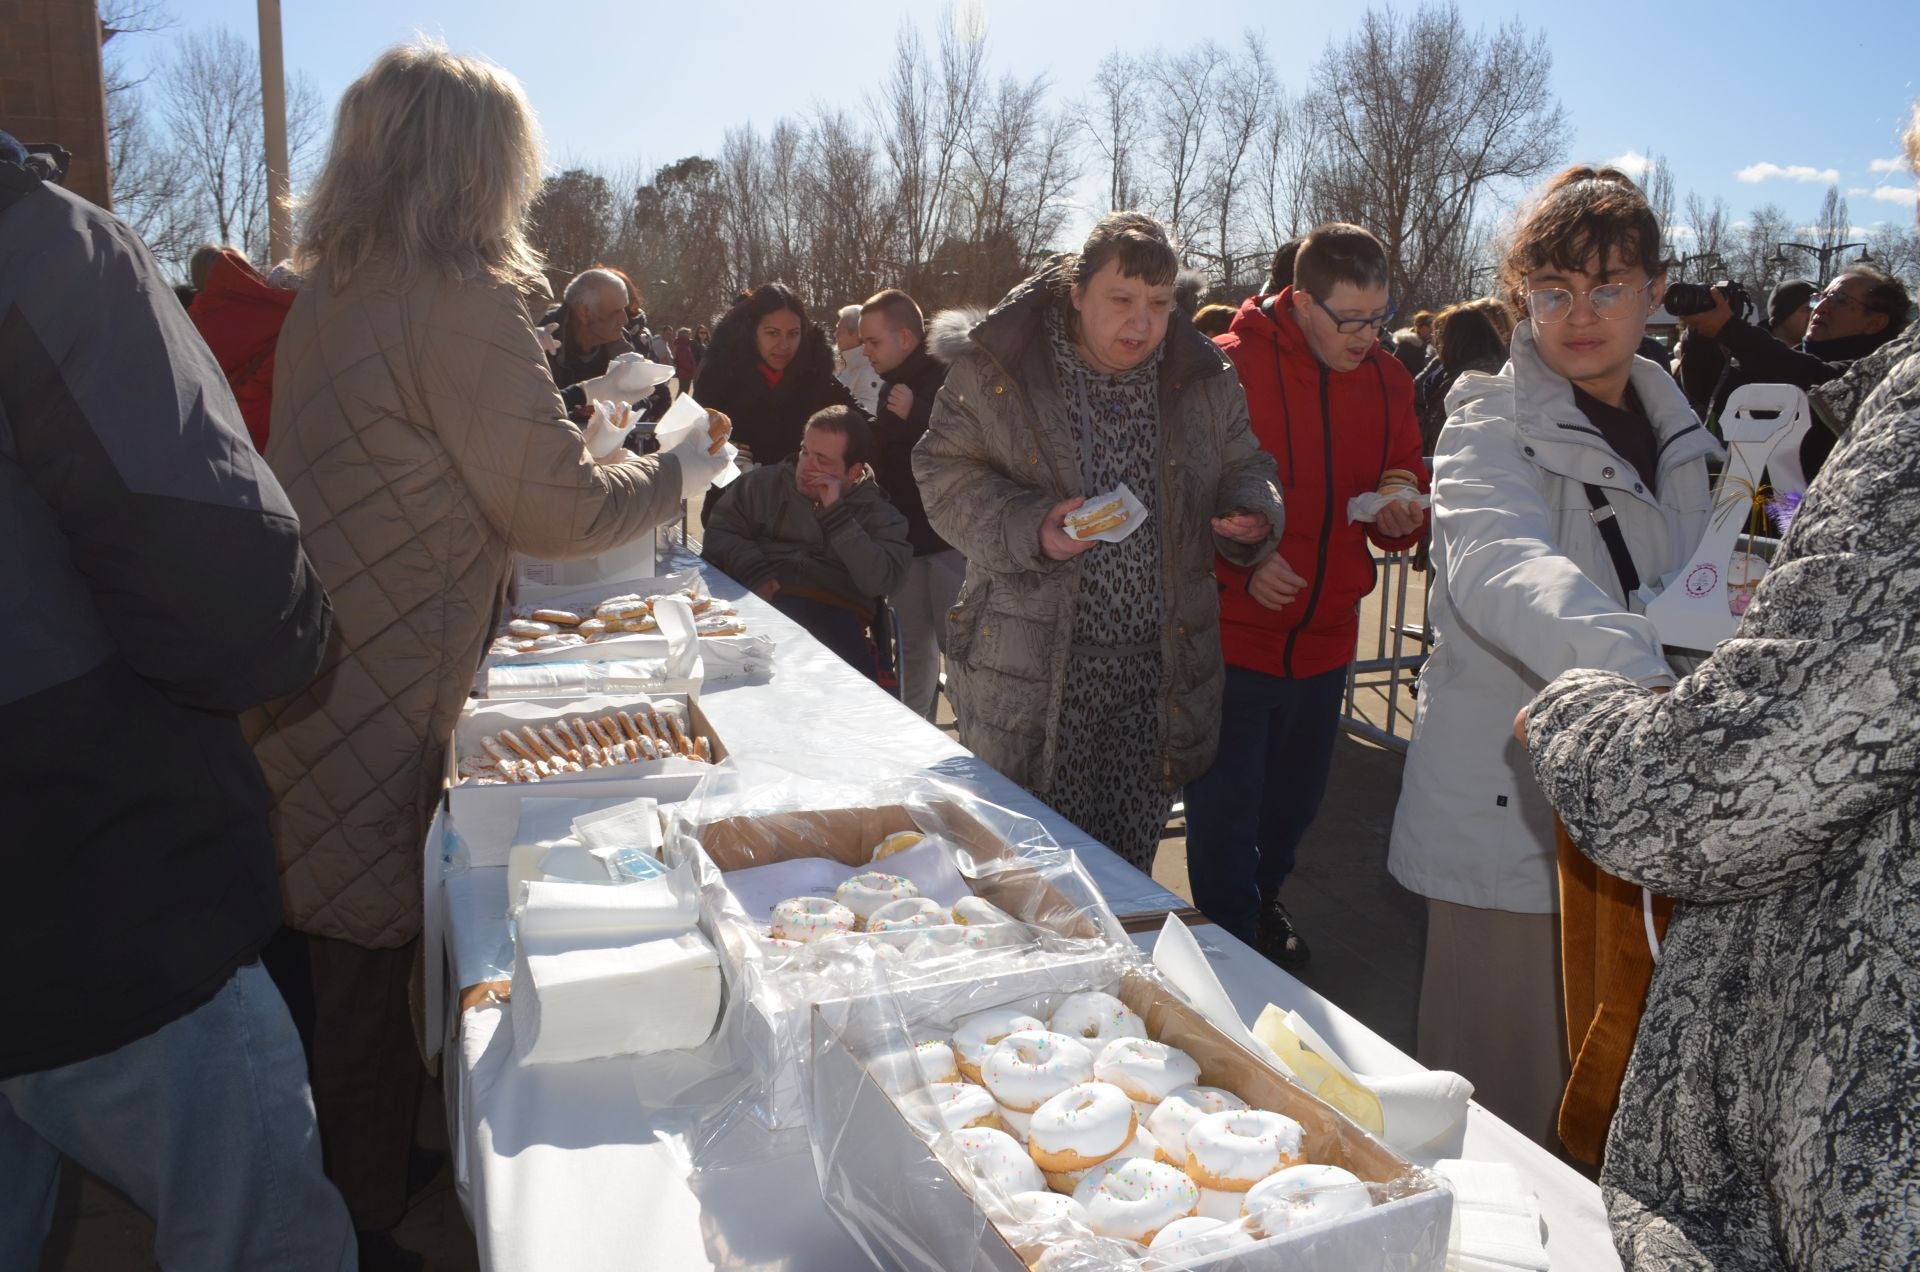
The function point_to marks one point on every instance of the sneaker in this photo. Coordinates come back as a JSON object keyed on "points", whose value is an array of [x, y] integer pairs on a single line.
{"points": [[1277, 939]]}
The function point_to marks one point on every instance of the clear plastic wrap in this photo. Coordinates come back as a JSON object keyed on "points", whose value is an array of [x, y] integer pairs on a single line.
{"points": [[892, 1174], [777, 812]]}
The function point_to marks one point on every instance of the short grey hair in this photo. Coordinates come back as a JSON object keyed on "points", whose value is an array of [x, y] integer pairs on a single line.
{"points": [[849, 319], [597, 288]]}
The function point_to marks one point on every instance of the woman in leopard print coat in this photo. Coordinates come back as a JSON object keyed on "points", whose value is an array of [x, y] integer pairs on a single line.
{"points": [[1771, 1113]]}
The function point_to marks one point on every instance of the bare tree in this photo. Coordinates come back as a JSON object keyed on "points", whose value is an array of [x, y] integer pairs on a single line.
{"points": [[1657, 183], [1114, 120], [1185, 91], [1289, 146], [1711, 238], [210, 100], [1753, 256], [1422, 120], [149, 185], [925, 117], [1233, 158], [1830, 234]]}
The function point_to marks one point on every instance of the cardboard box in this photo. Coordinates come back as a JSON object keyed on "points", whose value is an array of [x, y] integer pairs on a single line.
{"points": [[667, 781], [775, 1026], [887, 1185]]}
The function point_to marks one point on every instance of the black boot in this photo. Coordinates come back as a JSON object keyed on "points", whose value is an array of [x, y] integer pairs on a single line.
{"points": [[1277, 939]]}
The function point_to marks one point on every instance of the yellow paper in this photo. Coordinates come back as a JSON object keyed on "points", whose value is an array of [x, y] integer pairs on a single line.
{"points": [[1318, 1076]]}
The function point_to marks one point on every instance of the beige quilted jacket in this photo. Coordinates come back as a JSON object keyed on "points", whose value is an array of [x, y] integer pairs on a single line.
{"points": [[422, 443]]}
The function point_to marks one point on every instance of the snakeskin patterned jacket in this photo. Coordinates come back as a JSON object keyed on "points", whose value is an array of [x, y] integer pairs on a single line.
{"points": [[1771, 1113]]}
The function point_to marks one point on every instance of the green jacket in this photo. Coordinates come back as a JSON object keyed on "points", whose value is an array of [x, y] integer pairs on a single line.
{"points": [[766, 529], [999, 453]]}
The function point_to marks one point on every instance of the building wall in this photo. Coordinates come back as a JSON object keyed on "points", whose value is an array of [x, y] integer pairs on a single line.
{"points": [[50, 88]]}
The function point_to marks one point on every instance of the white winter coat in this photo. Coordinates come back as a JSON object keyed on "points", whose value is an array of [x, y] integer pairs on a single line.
{"points": [[1524, 590]]}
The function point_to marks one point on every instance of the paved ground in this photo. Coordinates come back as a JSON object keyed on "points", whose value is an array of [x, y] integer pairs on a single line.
{"points": [[1366, 933]]}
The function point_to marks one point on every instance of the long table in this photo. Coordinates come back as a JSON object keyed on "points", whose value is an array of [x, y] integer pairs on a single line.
{"points": [[584, 1165]]}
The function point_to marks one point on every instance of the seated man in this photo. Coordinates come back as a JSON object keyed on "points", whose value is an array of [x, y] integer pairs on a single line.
{"points": [[816, 535]]}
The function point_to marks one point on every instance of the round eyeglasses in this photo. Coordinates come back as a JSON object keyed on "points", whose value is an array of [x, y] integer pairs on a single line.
{"points": [[1612, 301]]}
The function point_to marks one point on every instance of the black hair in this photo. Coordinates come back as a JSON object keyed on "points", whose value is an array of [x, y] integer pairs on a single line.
{"points": [[1465, 339], [1280, 274], [1885, 294], [851, 425], [732, 352], [1337, 253]]}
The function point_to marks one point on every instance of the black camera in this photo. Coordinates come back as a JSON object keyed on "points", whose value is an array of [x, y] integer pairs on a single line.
{"points": [[1687, 299]]}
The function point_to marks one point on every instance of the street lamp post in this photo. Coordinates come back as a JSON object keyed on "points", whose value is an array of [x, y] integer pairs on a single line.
{"points": [[1825, 255]]}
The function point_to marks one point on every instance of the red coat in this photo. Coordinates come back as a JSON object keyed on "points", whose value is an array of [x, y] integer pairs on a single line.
{"points": [[239, 317], [1332, 435]]}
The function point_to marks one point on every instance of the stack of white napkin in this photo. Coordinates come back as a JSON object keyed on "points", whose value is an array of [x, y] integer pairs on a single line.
{"points": [[1496, 1221]]}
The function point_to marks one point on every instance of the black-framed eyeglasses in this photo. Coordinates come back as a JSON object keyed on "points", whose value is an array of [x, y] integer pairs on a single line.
{"points": [[1838, 294], [1354, 326], [1611, 301]]}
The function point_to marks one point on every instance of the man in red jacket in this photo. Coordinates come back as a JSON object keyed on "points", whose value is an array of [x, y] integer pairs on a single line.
{"points": [[239, 315], [1335, 410]]}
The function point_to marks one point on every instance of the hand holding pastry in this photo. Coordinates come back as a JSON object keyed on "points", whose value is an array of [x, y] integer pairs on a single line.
{"points": [[1055, 542], [1242, 526]]}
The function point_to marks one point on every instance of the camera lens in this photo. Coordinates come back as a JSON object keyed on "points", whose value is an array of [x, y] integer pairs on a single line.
{"points": [[1688, 298]]}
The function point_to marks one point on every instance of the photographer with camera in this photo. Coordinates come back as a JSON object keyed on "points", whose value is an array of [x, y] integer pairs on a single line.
{"points": [[1860, 310]]}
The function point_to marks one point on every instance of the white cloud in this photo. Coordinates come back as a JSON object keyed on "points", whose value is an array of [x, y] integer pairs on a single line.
{"points": [[1633, 163], [1854, 192], [1895, 164], [1755, 173], [1903, 194]]}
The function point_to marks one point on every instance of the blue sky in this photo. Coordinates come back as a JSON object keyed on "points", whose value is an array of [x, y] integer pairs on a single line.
{"points": [[1790, 95]]}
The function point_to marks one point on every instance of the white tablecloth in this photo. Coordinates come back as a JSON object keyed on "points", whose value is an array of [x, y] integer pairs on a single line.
{"points": [[577, 1166]]}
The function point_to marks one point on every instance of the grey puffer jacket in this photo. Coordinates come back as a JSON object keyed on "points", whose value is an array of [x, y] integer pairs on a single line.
{"points": [[1768, 1116], [999, 454]]}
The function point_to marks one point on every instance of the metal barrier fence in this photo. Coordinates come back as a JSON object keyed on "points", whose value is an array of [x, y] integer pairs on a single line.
{"points": [[1394, 638]]}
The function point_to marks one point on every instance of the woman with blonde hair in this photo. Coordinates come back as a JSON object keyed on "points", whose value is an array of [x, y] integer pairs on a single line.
{"points": [[418, 432]]}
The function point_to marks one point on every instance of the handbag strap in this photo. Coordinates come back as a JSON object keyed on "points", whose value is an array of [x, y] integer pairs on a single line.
{"points": [[1608, 524]]}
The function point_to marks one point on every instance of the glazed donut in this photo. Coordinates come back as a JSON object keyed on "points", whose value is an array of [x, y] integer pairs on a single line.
{"points": [[809, 919], [1197, 1235], [977, 1034], [868, 891], [528, 628], [1301, 1196], [1217, 1203], [906, 914], [1146, 1070], [1134, 1199], [1235, 1150], [558, 617], [1026, 1069], [1018, 1124], [1065, 1181], [997, 1157], [981, 911], [619, 609], [1048, 1208], [1096, 1018], [898, 841], [1082, 1126], [1141, 1145], [1174, 1116], [962, 1105]]}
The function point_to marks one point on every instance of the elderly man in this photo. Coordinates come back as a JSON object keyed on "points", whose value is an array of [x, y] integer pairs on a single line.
{"points": [[856, 371], [816, 535], [1858, 312], [585, 328]]}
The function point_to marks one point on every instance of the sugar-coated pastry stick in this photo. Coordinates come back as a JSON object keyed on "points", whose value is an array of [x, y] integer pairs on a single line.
{"points": [[680, 742], [632, 730], [703, 750], [541, 751]]}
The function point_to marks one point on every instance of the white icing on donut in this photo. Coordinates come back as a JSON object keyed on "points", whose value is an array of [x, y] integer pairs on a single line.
{"points": [[1016, 1122], [871, 889], [977, 1034], [1097, 1018], [997, 1156], [1134, 1199], [1141, 1145], [1175, 1115], [809, 919], [962, 1104], [1197, 1235], [1084, 1125], [1026, 1069], [923, 1064], [1218, 1203], [906, 914], [979, 910], [1237, 1149], [1301, 1196], [1048, 1208], [1146, 1070]]}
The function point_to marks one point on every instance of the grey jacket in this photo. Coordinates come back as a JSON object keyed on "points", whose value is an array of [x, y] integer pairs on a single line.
{"points": [[765, 528], [1768, 1117], [999, 453]]}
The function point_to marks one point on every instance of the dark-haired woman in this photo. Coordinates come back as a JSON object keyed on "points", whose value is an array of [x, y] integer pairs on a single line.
{"points": [[1087, 671], [767, 370], [1574, 436], [1464, 339]]}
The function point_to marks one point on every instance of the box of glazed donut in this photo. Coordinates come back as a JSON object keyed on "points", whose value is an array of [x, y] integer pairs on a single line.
{"points": [[1105, 1124], [501, 748], [812, 905]]}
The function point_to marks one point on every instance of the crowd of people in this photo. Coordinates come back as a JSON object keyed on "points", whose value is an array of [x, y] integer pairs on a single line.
{"points": [[268, 536]]}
